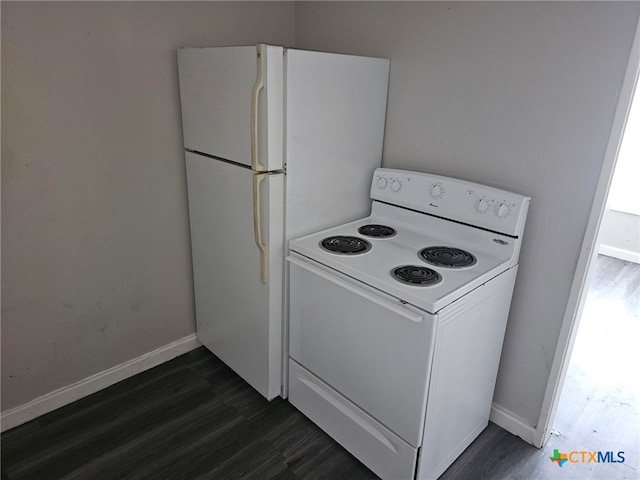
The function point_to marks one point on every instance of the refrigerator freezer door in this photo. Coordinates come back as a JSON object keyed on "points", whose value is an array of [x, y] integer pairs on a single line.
{"points": [[335, 115], [224, 92], [239, 318]]}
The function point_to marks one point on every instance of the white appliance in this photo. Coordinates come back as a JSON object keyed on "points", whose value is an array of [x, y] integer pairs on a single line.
{"points": [[397, 320], [265, 131]]}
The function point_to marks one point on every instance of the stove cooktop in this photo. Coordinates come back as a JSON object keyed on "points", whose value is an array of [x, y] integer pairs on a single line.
{"points": [[423, 260]]}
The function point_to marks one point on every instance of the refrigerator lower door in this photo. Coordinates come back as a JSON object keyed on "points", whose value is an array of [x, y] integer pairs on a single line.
{"points": [[238, 291], [232, 103]]}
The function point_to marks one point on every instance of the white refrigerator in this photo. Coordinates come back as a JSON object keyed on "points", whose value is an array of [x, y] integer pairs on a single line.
{"points": [[278, 143]]}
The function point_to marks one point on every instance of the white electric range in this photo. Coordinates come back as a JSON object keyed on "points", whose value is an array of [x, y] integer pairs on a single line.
{"points": [[396, 321]]}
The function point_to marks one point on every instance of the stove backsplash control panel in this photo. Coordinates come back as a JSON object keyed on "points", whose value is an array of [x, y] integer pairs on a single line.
{"points": [[452, 198]]}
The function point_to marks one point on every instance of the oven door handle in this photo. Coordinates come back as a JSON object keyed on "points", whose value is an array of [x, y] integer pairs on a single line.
{"points": [[397, 308]]}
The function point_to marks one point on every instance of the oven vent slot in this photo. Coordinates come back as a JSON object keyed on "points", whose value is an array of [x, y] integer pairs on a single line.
{"points": [[452, 311]]}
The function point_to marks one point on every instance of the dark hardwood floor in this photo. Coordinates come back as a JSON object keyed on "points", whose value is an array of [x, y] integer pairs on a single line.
{"points": [[193, 418], [189, 418]]}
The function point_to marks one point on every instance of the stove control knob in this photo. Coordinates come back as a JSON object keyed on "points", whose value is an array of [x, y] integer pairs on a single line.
{"points": [[382, 182], [437, 190], [502, 210], [482, 205], [395, 185]]}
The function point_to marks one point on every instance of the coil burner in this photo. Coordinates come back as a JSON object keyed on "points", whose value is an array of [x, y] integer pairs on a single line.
{"points": [[345, 245], [416, 275], [377, 231], [447, 257]]}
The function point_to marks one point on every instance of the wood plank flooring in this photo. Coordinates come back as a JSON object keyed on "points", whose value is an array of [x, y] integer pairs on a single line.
{"points": [[193, 418], [189, 418]]}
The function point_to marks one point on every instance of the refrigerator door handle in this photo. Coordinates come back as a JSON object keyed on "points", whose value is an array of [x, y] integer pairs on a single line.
{"points": [[255, 102], [258, 178]]}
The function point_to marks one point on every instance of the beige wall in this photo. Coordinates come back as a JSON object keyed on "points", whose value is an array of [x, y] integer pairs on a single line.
{"points": [[520, 95], [96, 265], [95, 239]]}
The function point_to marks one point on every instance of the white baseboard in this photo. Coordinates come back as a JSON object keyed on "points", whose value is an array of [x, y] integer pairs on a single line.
{"points": [[65, 395], [512, 423], [620, 253]]}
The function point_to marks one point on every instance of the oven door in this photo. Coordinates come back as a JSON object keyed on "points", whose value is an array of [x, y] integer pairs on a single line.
{"points": [[370, 347]]}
